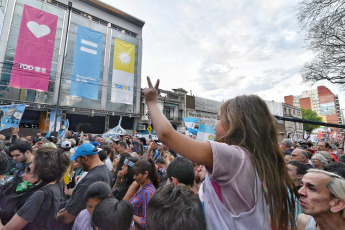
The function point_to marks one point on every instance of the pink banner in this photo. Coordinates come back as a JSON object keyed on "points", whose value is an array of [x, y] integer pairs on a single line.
{"points": [[34, 51]]}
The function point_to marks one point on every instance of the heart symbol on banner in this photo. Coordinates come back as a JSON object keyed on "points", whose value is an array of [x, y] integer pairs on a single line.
{"points": [[38, 30]]}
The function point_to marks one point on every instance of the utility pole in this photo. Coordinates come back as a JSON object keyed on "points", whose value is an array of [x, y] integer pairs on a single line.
{"points": [[57, 108]]}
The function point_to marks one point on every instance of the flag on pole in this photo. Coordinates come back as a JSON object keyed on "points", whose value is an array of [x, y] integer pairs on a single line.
{"points": [[63, 131], [50, 130], [113, 133], [190, 124], [10, 115], [205, 132]]}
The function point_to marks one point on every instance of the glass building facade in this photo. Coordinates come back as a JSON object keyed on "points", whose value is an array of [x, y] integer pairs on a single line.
{"points": [[95, 15]]}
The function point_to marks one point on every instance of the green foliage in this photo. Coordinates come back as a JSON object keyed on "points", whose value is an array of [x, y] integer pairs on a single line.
{"points": [[308, 114]]}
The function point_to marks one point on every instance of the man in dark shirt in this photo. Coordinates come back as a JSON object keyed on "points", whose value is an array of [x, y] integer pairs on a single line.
{"points": [[301, 155], [87, 158], [286, 146], [122, 150], [21, 152]]}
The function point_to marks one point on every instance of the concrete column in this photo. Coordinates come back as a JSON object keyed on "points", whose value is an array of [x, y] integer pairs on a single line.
{"points": [[105, 79]]}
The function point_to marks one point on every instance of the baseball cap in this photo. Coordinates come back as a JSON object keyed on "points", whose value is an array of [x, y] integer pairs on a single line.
{"points": [[84, 150], [95, 143], [66, 144]]}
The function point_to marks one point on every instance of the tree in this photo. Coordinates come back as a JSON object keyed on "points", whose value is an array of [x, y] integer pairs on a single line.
{"points": [[308, 114], [324, 23]]}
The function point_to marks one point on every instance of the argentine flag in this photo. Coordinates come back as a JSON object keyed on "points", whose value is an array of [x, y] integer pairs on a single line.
{"points": [[63, 131], [190, 123], [205, 133], [113, 133]]}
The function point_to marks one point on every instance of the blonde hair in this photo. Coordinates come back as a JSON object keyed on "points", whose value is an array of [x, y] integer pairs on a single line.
{"points": [[249, 124], [336, 186], [50, 145]]}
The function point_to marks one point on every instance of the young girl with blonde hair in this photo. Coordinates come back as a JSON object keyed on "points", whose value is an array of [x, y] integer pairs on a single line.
{"points": [[247, 185]]}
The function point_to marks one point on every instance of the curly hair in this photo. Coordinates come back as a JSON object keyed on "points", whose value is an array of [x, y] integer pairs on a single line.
{"points": [[50, 164]]}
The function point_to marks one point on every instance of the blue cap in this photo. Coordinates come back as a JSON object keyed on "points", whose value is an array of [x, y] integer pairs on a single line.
{"points": [[83, 150], [95, 143]]}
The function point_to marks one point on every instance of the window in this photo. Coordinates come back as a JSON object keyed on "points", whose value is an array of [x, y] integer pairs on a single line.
{"points": [[166, 112]]}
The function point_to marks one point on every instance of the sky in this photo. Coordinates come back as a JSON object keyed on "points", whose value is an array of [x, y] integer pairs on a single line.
{"points": [[224, 48]]}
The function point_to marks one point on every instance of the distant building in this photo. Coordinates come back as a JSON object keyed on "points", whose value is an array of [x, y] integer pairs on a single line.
{"points": [[176, 105], [96, 113], [320, 100], [287, 129]]}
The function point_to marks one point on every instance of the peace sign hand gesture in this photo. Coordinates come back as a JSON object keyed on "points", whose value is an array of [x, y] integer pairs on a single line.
{"points": [[151, 93]]}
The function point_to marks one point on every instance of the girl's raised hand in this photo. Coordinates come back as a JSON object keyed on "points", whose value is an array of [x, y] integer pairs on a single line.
{"points": [[151, 93]]}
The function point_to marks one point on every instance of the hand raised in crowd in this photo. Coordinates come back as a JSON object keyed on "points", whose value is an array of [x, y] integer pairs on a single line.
{"points": [[151, 93], [15, 131], [116, 162], [38, 144], [150, 149], [119, 176], [77, 178], [166, 158]]}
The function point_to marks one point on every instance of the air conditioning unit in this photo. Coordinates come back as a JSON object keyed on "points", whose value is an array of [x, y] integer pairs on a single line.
{"points": [[142, 127]]}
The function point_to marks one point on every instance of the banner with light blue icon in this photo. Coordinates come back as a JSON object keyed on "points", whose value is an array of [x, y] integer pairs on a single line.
{"points": [[87, 63], [10, 115]]}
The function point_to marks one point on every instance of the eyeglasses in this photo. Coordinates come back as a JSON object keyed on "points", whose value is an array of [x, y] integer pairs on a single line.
{"points": [[28, 170]]}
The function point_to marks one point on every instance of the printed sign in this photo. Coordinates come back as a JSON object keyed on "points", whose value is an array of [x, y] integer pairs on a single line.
{"points": [[123, 72], [87, 63], [34, 51], [11, 115], [327, 108]]}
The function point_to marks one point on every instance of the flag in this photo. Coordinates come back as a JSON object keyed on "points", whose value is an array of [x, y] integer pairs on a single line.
{"points": [[192, 131], [113, 133], [10, 115], [205, 132], [50, 130], [52, 120], [34, 51], [123, 72], [190, 123], [87, 63], [63, 131]]}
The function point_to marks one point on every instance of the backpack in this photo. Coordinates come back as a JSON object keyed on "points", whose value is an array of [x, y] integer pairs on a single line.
{"points": [[10, 204]]}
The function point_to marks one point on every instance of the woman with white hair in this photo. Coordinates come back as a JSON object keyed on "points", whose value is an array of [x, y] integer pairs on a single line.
{"points": [[319, 161]]}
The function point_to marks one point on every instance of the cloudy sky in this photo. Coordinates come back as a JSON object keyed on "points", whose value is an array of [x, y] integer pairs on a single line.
{"points": [[224, 48]]}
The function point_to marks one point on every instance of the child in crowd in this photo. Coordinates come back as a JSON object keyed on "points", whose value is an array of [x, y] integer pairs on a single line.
{"points": [[247, 185], [97, 192]]}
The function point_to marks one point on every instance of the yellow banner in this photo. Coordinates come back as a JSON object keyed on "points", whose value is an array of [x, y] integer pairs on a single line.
{"points": [[124, 56]]}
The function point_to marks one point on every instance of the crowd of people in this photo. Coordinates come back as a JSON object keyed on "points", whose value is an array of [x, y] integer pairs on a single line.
{"points": [[245, 179]]}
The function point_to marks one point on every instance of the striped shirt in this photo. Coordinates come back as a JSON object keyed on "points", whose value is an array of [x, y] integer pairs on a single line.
{"points": [[140, 201]]}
